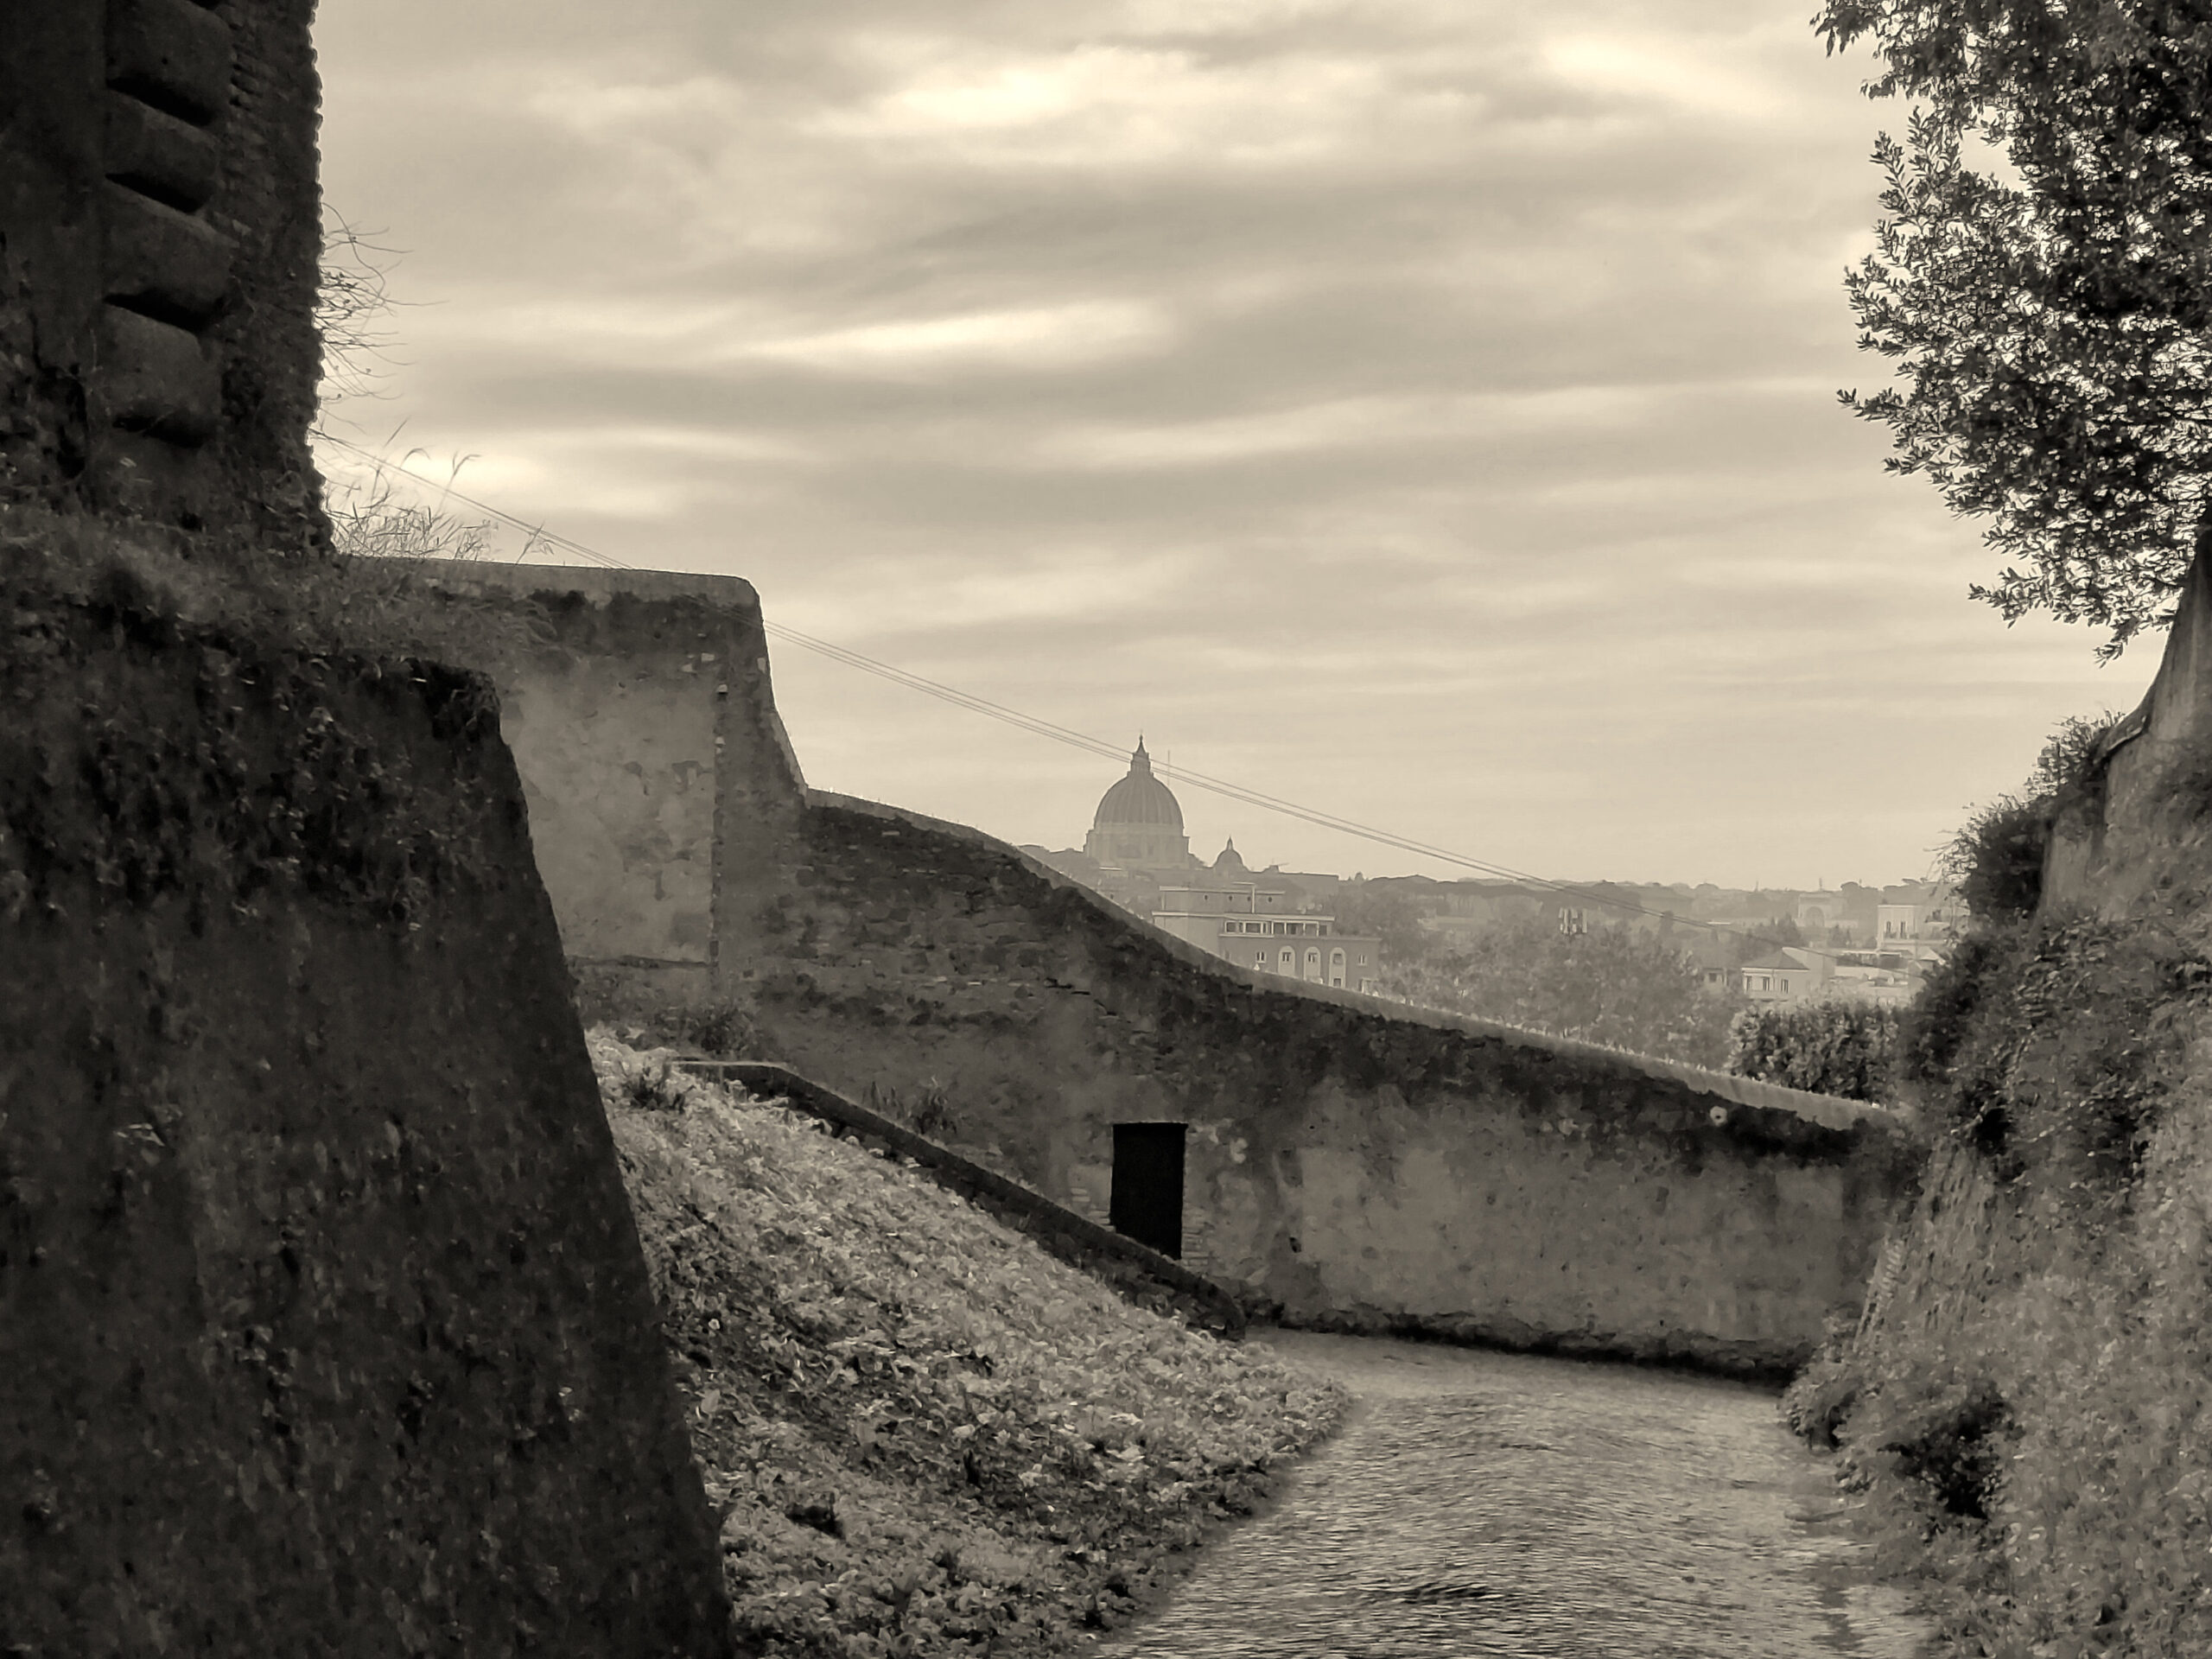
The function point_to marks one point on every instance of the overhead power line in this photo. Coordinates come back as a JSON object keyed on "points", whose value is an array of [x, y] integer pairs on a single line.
{"points": [[540, 536]]}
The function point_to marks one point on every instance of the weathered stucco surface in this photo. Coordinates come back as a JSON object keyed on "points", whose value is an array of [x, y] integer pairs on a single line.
{"points": [[658, 777], [1363, 1166], [1354, 1164]]}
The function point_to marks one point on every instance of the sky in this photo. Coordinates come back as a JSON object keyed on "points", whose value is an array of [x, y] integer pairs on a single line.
{"points": [[1423, 410]]}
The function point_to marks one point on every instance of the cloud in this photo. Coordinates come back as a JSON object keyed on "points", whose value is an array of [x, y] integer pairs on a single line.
{"points": [[1037, 336], [1424, 410]]}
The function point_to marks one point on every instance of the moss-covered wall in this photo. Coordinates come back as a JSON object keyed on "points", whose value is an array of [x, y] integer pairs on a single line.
{"points": [[324, 1325]]}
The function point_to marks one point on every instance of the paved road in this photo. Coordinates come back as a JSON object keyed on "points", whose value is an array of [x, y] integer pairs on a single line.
{"points": [[1482, 1503]]}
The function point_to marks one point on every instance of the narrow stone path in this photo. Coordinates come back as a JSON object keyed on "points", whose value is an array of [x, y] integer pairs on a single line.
{"points": [[1484, 1503]]}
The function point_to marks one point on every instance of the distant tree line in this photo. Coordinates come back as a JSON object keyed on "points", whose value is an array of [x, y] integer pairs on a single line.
{"points": [[1612, 985]]}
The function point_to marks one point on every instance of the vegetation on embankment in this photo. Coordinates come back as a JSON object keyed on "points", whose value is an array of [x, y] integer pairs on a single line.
{"points": [[2025, 1404], [924, 1435]]}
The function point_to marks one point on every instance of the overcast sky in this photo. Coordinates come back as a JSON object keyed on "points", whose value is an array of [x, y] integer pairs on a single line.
{"points": [[1422, 410]]}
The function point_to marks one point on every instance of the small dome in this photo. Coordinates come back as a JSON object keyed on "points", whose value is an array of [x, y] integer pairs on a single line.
{"points": [[1138, 798]]}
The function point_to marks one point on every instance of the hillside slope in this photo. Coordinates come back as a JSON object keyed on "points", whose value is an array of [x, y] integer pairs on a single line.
{"points": [[923, 1434], [2026, 1401]]}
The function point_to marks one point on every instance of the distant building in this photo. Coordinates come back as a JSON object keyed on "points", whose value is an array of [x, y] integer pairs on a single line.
{"points": [[1791, 974], [1139, 823], [1872, 976], [1824, 916], [1918, 921], [1255, 927]]}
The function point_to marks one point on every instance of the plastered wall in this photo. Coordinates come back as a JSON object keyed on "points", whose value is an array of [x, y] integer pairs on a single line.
{"points": [[1348, 1162], [1355, 1165], [661, 787]]}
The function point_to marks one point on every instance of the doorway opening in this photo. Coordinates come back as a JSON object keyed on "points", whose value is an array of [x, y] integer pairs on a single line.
{"points": [[1146, 1203]]}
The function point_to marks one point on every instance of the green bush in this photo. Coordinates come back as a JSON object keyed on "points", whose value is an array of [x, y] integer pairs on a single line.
{"points": [[1829, 1048], [1996, 860], [2049, 1046]]}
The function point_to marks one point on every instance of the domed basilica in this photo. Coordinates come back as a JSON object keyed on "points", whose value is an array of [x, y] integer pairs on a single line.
{"points": [[1139, 824], [1270, 921]]}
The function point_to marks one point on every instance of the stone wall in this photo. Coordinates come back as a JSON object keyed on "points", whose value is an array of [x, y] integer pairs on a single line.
{"points": [[662, 789], [324, 1324], [1349, 1163], [159, 238]]}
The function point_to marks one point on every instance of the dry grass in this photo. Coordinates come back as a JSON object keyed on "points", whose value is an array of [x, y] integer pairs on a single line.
{"points": [[926, 1434]]}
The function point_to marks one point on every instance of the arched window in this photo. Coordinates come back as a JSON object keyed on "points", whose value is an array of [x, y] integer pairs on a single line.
{"points": [[1289, 960]]}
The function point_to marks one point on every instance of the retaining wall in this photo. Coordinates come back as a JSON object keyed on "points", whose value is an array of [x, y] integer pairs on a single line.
{"points": [[324, 1324], [1141, 1274], [1351, 1164], [1358, 1165]]}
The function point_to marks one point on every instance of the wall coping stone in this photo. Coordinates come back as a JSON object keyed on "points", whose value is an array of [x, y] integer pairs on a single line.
{"points": [[599, 585], [1830, 1111]]}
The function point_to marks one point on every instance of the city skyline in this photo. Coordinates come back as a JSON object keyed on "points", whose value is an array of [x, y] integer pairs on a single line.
{"points": [[1424, 413]]}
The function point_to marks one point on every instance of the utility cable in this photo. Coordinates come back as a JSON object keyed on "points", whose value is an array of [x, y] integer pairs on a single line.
{"points": [[540, 536]]}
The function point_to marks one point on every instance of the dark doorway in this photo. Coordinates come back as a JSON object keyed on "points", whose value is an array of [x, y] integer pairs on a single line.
{"points": [[1147, 1201]]}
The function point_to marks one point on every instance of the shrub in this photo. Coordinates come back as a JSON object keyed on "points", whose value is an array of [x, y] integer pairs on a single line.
{"points": [[1943, 1439], [1829, 1048], [928, 1114], [1820, 1397], [2049, 1046], [724, 1030], [1996, 860]]}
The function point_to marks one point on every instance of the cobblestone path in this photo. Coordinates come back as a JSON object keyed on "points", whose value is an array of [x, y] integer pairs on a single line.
{"points": [[1484, 1504]]}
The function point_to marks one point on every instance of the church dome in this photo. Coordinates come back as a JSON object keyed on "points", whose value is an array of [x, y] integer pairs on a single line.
{"points": [[1139, 799]]}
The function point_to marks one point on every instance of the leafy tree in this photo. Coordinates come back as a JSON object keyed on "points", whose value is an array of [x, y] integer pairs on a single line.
{"points": [[1610, 985], [2049, 307], [1394, 916], [1830, 1048]]}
